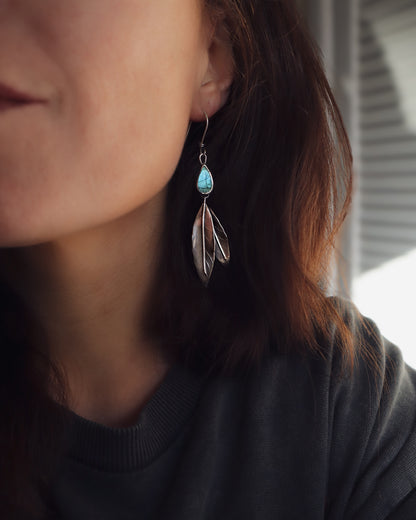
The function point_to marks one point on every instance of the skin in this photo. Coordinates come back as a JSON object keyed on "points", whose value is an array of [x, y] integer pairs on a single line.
{"points": [[83, 175]]}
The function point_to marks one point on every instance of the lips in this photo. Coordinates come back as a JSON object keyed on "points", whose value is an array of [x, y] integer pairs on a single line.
{"points": [[11, 96]]}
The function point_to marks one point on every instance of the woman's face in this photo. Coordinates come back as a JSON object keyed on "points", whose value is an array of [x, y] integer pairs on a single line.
{"points": [[120, 82]]}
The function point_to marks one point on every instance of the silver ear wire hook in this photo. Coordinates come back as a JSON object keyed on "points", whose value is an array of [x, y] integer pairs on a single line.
{"points": [[189, 127], [202, 152], [206, 129]]}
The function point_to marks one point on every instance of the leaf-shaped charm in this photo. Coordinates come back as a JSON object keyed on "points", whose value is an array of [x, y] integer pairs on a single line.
{"points": [[222, 248], [203, 244]]}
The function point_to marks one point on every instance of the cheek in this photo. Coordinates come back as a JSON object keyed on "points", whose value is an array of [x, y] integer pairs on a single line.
{"points": [[88, 164], [140, 119], [127, 135], [133, 81], [84, 170], [29, 171], [127, 151], [102, 147]]}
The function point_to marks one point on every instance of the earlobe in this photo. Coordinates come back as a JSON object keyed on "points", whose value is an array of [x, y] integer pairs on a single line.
{"points": [[212, 97]]}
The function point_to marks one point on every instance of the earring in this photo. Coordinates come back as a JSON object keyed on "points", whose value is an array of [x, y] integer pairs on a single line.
{"points": [[209, 240]]}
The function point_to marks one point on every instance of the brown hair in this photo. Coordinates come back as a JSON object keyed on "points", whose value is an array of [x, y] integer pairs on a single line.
{"points": [[281, 162]]}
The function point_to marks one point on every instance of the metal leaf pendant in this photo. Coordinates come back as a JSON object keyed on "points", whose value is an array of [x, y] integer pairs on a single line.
{"points": [[222, 248], [203, 243]]}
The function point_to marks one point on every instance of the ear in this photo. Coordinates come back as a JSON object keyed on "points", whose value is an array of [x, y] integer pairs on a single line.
{"points": [[213, 91]]}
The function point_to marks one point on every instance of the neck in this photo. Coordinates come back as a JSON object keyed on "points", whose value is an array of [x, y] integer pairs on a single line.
{"points": [[89, 292]]}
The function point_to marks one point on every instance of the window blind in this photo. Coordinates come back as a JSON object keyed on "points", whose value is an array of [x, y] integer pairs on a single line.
{"points": [[387, 121]]}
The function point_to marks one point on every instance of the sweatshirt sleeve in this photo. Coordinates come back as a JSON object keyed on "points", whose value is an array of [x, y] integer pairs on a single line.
{"points": [[372, 417], [406, 510]]}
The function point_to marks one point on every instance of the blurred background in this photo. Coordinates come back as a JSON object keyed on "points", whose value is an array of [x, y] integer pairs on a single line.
{"points": [[369, 51]]}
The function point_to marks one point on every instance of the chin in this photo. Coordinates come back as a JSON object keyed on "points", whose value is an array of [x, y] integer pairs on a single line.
{"points": [[16, 240], [20, 232]]}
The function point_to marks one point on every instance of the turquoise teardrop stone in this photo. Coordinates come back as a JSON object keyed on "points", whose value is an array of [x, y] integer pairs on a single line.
{"points": [[205, 181]]}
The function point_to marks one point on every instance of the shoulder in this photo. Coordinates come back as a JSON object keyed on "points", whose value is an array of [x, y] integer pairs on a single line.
{"points": [[323, 438], [372, 417]]}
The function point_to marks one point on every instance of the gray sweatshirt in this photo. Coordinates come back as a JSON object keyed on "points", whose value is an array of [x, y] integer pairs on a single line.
{"points": [[293, 440]]}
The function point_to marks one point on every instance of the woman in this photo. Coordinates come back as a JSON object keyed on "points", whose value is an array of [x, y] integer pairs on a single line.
{"points": [[166, 355]]}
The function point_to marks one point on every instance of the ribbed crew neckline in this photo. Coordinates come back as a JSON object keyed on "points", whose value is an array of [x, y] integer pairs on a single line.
{"points": [[134, 447]]}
